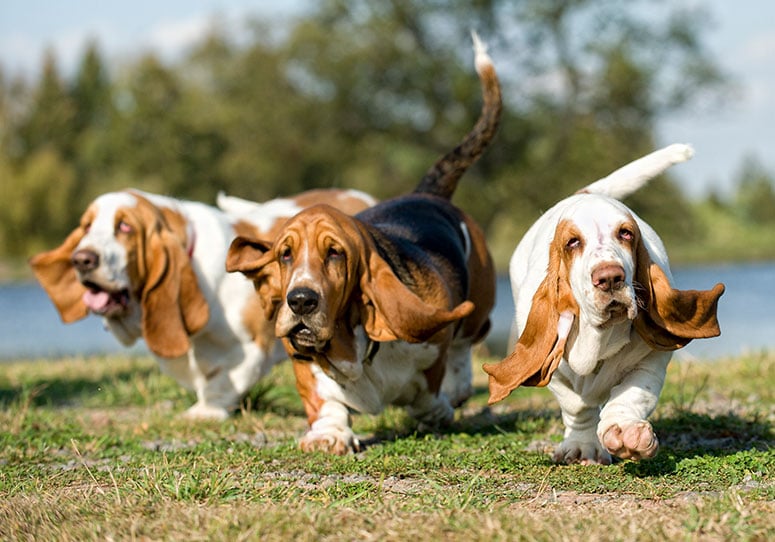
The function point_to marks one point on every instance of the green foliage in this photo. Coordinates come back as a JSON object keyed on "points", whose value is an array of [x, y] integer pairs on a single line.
{"points": [[756, 193], [364, 95]]}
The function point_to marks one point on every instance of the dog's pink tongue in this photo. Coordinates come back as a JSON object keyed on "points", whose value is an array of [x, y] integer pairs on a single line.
{"points": [[96, 301]]}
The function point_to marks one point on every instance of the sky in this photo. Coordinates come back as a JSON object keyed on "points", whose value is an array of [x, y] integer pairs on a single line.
{"points": [[741, 41]]}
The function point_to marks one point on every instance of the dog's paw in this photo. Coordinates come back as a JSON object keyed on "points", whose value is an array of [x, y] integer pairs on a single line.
{"points": [[635, 440], [571, 451], [204, 412], [338, 442]]}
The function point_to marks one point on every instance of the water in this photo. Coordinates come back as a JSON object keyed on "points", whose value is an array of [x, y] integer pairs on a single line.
{"points": [[30, 326]]}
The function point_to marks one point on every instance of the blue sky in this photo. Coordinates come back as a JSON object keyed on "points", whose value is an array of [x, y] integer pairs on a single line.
{"points": [[742, 41]]}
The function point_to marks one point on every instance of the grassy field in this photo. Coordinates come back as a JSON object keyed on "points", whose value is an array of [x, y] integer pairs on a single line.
{"points": [[92, 448]]}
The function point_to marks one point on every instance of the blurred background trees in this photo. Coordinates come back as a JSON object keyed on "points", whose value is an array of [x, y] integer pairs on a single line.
{"points": [[367, 95]]}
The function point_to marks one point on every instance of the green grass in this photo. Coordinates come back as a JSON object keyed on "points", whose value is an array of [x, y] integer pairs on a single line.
{"points": [[93, 448]]}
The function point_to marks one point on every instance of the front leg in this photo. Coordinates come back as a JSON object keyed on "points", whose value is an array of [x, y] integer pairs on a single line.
{"points": [[580, 444], [331, 431], [623, 428], [329, 418]]}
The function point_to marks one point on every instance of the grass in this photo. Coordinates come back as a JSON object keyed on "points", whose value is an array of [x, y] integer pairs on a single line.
{"points": [[93, 448]]}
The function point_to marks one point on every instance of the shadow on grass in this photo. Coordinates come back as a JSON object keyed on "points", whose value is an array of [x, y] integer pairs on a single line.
{"points": [[682, 436], [482, 423], [266, 395], [66, 392], [687, 434]]}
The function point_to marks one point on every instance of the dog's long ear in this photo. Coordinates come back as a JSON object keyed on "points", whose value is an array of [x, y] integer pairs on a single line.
{"points": [[541, 345], [392, 311], [55, 272], [254, 259], [173, 306], [669, 319]]}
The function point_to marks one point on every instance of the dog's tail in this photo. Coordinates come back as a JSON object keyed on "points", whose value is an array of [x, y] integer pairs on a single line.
{"points": [[441, 179], [626, 180]]}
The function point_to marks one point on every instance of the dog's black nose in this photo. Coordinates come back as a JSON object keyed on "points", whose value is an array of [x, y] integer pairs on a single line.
{"points": [[85, 260], [302, 300]]}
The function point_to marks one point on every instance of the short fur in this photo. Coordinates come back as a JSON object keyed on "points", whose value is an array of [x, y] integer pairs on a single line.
{"points": [[597, 316], [153, 267], [381, 308]]}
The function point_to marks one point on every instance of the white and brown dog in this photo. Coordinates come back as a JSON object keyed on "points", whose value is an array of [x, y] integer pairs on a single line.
{"points": [[153, 267], [382, 308], [597, 316]]}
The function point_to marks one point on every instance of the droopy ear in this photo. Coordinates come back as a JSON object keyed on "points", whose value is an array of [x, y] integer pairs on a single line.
{"points": [[255, 259], [669, 319], [173, 304], [541, 346], [55, 272], [393, 311]]}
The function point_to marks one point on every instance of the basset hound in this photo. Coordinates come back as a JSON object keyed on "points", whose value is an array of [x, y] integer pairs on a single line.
{"points": [[153, 267], [382, 308], [597, 317]]}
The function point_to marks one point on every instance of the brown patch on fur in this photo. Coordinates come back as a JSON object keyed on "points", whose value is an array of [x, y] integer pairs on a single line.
{"points": [[306, 385], [260, 328], [243, 228], [671, 318], [539, 349], [344, 200], [173, 307], [56, 274], [482, 280]]}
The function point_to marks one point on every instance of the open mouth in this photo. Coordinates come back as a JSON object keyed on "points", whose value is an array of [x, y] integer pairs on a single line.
{"points": [[103, 302], [303, 339]]}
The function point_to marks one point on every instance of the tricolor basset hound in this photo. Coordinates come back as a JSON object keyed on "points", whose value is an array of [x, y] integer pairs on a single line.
{"points": [[382, 308], [153, 267], [597, 317]]}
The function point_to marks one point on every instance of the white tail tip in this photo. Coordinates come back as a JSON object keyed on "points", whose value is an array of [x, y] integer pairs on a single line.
{"points": [[679, 152], [481, 58]]}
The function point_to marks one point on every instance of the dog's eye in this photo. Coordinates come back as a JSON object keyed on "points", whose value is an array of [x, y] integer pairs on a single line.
{"points": [[286, 255], [86, 227], [573, 243], [334, 253], [626, 235], [123, 227]]}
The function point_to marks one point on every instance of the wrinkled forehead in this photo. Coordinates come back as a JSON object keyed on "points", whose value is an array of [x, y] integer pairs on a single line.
{"points": [[105, 208], [315, 225], [595, 215]]}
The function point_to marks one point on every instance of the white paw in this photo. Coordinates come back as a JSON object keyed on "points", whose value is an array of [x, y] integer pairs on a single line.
{"points": [[202, 412], [584, 452], [631, 440], [331, 440]]}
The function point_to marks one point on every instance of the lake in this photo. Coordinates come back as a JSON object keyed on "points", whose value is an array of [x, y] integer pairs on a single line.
{"points": [[30, 326]]}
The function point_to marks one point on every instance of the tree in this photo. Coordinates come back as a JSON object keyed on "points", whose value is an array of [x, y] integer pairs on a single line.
{"points": [[584, 81], [755, 196], [47, 119], [368, 95]]}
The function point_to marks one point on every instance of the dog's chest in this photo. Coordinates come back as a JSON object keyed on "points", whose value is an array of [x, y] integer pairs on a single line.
{"points": [[394, 376]]}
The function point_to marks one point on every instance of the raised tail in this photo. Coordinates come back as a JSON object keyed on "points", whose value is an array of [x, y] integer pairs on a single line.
{"points": [[441, 179], [627, 179]]}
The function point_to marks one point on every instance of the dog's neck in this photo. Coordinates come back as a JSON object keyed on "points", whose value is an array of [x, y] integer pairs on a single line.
{"points": [[589, 344]]}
